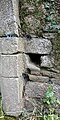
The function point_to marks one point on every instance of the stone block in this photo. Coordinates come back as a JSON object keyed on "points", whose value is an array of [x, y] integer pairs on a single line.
{"points": [[49, 35], [0, 72], [12, 95], [36, 78], [12, 45], [37, 90], [0, 47], [12, 65], [9, 18], [38, 46], [0, 84], [46, 61], [56, 80], [35, 72], [28, 105], [0, 65], [50, 73]]}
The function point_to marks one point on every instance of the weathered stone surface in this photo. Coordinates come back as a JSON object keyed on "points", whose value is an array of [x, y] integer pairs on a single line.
{"points": [[0, 47], [37, 90], [56, 51], [12, 45], [12, 65], [38, 46], [12, 90], [28, 105], [0, 72], [35, 72], [56, 80], [0, 84], [46, 61], [36, 78], [49, 35], [9, 18], [50, 73]]}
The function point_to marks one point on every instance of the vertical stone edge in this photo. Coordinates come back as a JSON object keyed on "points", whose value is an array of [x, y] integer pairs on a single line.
{"points": [[12, 96]]}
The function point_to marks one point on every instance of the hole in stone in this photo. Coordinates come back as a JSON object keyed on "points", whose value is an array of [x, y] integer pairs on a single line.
{"points": [[0, 93], [28, 71], [35, 58], [26, 77]]}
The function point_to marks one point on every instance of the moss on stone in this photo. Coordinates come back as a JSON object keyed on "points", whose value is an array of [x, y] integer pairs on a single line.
{"points": [[31, 16], [56, 51]]}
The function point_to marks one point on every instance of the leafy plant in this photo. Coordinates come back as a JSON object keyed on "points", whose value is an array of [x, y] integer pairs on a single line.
{"points": [[48, 108], [50, 101]]}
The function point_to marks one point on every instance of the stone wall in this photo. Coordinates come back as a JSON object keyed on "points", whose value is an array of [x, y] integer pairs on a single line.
{"points": [[40, 24], [30, 52]]}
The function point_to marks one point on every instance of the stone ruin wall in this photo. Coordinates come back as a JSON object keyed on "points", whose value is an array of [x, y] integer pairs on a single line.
{"points": [[29, 52]]}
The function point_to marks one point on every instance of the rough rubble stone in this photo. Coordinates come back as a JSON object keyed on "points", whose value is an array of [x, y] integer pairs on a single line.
{"points": [[0, 47], [12, 65], [56, 52], [38, 46], [12, 90], [31, 16], [36, 78], [37, 90], [50, 73], [12, 45], [46, 61], [28, 105], [9, 17], [49, 35], [35, 72], [56, 80]]}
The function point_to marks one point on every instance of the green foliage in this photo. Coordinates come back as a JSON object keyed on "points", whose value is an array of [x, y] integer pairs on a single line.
{"points": [[47, 105], [50, 101], [52, 16], [2, 115]]}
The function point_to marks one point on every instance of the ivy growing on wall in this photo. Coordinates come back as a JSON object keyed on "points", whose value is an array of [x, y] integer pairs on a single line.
{"points": [[52, 15], [35, 15]]}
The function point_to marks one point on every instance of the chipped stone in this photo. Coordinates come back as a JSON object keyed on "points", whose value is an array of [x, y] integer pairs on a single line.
{"points": [[38, 46], [46, 61], [49, 73], [36, 78]]}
